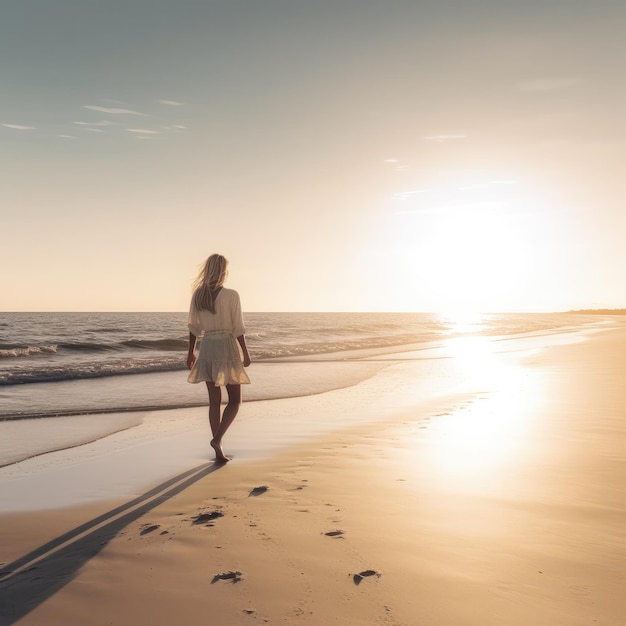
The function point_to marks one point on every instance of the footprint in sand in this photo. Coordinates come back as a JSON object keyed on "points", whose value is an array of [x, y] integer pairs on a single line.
{"points": [[357, 578], [335, 533], [207, 517], [234, 577], [149, 529], [257, 491]]}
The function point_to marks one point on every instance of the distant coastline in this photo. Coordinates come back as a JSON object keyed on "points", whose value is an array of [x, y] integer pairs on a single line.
{"points": [[599, 311]]}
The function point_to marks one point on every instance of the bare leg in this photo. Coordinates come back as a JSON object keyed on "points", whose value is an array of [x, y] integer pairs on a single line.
{"points": [[230, 412], [215, 408]]}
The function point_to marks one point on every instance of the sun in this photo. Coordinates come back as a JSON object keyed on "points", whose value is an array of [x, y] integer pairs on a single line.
{"points": [[472, 245], [477, 259]]}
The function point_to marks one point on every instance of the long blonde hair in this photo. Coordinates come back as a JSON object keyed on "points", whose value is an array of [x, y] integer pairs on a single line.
{"points": [[211, 277]]}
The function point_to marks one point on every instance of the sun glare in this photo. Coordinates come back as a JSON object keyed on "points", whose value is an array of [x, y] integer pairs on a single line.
{"points": [[469, 246], [462, 321], [470, 448], [475, 357]]}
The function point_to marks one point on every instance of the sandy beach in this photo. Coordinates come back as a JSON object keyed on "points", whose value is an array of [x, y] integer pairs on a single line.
{"points": [[403, 222], [485, 487]]}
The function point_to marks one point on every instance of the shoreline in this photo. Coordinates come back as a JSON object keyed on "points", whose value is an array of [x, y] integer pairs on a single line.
{"points": [[176, 436], [35, 435], [100, 394], [502, 504]]}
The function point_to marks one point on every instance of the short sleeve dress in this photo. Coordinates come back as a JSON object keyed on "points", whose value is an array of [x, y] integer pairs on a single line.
{"points": [[219, 359]]}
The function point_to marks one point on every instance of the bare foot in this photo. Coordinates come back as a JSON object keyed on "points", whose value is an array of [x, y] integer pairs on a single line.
{"points": [[220, 457]]}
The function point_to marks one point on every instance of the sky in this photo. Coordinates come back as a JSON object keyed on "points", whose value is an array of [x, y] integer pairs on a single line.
{"points": [[346, 155]]}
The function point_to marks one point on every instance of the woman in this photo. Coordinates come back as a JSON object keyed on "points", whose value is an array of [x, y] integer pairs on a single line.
{"points": [[215, 314]]}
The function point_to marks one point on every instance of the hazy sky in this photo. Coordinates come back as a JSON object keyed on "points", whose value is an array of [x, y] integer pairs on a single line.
{"points": [[344, 155]]}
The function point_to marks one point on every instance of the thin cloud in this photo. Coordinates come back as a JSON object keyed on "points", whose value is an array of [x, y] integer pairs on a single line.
{"points": [[442, 138], [400, 167], [102, 123], [18, 127], [547, 84], [114, 111], [172, 103], [95, 130], [405, 195], [143, 131], [67, 136]]}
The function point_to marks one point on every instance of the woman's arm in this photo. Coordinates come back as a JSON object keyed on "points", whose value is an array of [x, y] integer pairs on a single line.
{"points": [[191, 356], [246, 357]]}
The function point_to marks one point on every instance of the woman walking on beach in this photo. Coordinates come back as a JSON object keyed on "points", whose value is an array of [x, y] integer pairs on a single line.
{"points": [[215, 317]]}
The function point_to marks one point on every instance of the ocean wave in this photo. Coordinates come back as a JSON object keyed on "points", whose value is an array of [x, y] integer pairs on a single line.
{"points": [[83, 369], [114, 329], [277, 336], [19, 351], [163, 345], [89, 347], [331, 347], [156, 344], [56, 374]]}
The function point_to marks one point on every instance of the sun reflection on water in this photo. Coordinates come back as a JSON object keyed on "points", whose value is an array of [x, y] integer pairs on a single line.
{"points": [[471, 447], [476, 357], [462, 322]]}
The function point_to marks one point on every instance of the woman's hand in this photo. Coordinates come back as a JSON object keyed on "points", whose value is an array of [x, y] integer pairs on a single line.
{"points": [[191, 355], [244, 350]]}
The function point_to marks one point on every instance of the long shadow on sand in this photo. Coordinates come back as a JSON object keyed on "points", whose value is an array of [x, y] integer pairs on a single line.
{"points": [[30, 580]]}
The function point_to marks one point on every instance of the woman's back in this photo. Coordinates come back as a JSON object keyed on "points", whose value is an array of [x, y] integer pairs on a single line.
{"points": [[227, 316]]}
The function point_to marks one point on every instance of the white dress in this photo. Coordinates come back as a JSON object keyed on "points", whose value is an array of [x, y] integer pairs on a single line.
{"points": [[219, 359]]}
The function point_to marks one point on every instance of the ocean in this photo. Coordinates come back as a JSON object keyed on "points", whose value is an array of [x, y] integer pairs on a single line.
{"points": [[55, 364]]}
